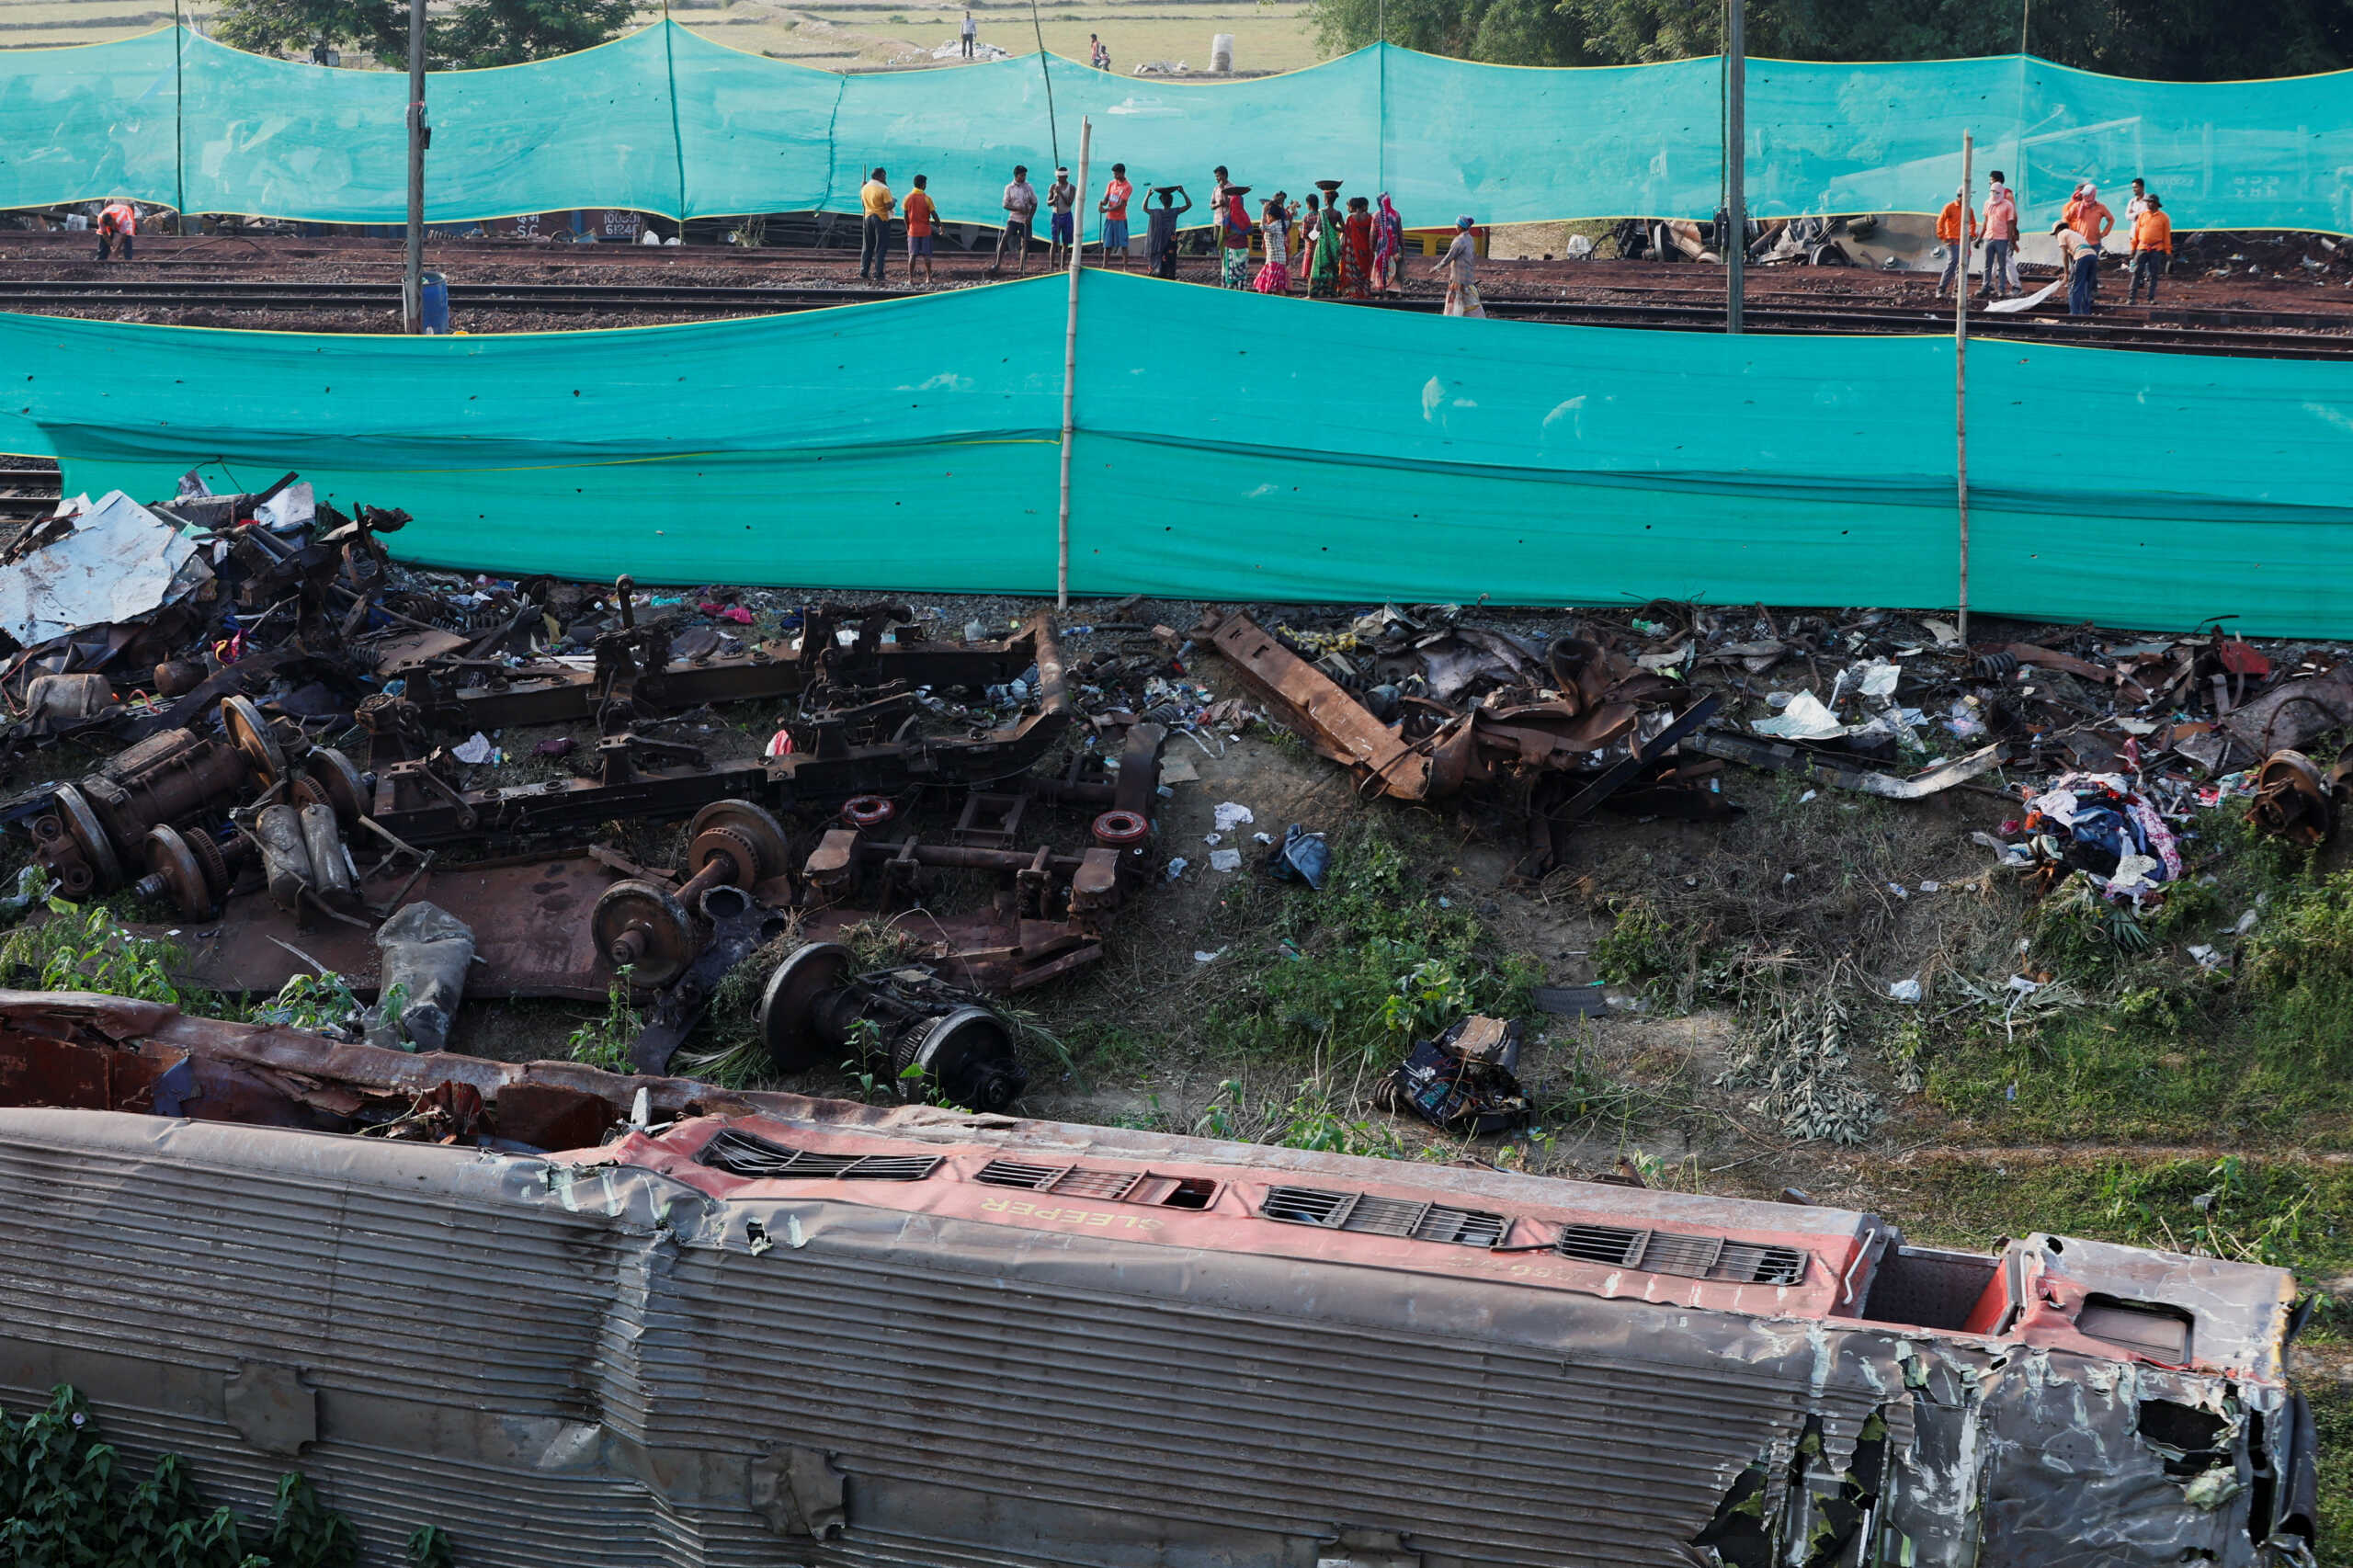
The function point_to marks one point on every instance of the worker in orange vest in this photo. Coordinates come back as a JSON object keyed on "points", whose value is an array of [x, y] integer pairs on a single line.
{"points": [[2151, 247], [119, 218], [1950, 224]]}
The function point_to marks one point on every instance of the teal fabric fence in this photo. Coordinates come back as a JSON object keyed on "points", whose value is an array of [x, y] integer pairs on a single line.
{"points": [[666, 122], [1236, 447]]}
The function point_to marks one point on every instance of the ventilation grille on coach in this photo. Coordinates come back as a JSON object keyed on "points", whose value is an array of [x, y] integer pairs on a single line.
{"points": [[744, 1154], [1384, 1216], [1101, 1185], [1676, 1252]]}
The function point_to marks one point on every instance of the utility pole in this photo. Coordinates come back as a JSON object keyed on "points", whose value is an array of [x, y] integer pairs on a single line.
{"points": [[1735, 238], [1960, 377], [412, 274]]}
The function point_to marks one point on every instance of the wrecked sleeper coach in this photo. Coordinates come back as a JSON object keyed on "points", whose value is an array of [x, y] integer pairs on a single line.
{"points": [[761, 1329]]}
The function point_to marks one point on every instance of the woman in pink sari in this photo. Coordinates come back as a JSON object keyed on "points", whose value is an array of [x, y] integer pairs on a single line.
{"points": [[1274, 222]]}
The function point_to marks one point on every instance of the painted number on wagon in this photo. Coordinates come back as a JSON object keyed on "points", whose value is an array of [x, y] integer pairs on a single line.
{"points": [[1070, 1216]]}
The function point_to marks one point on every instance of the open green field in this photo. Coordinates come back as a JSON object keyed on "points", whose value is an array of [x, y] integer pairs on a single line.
{"points": [[1272, 36]]}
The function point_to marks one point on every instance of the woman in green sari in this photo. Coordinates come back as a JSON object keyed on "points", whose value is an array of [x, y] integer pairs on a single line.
{"points": [[1324, 259]]}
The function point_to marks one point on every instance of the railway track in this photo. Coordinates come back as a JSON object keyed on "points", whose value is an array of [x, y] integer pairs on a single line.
{"points": [[2273, 333], [30, 488]]}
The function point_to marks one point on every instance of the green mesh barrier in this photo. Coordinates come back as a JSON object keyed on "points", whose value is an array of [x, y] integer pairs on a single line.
{"points": [[666, 122], [1233, 446]]}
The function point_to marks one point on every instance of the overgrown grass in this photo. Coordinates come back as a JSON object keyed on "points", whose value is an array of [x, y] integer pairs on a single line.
{"points": [[2286, 1213], [1353, 974], [2333, 1419], [2168, 1050]]}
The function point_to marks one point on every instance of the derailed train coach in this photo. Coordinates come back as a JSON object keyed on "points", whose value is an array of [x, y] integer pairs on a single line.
{"points": [[578, 1318]]}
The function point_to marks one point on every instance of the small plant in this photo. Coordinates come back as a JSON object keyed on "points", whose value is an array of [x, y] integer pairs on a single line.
{"points": [[58, 1508], [604, 1043], [320, 1003], [304, 1533], [84, 948], [1638, 947], [428, 1547]]}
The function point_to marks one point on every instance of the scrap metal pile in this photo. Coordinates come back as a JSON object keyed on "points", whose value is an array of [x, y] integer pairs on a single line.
{"points": [[308, 778], [2108, 742]]}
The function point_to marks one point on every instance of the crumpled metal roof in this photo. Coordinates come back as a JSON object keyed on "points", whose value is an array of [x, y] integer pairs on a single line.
{"points": [[626, 1355]]}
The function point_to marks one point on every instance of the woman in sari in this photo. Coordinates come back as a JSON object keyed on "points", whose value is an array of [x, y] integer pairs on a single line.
{"points": [[1311, 232], [1324, 269], [1356, 250], [1233, 238], [1458, 266], [1274, 221], [1388, 244]]}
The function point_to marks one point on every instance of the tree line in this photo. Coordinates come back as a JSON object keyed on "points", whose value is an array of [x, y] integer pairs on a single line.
{"points": [[468, 34], [2180, 40]]}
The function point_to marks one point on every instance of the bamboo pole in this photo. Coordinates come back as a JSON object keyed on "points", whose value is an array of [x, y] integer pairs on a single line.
{"points": [[1960, 375], [413, 267], [1070, 364], [1735, 237]]}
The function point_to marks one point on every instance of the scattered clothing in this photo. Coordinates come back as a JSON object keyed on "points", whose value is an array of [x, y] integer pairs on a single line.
{"points": [[2099, 824]]}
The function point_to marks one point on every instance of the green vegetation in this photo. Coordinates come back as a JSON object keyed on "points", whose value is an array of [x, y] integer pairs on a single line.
{"points": [[64, 1504], [2169, 1050], [471, 33], [2192, 41], [83, 947], [2283, 1212], [2333, 1419], [604, 1041], [1355, 973]]}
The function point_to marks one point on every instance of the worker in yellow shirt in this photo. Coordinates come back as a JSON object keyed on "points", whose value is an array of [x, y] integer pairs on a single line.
{"points": [[2152, 249], [1950, 224], [874, 242]]}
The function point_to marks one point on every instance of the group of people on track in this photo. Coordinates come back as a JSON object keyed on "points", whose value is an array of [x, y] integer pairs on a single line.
{"points": [[2081, 230], [1328, 250]]}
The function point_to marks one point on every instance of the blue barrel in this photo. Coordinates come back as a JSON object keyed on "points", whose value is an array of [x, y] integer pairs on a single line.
{"points": [[434, 295]]}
